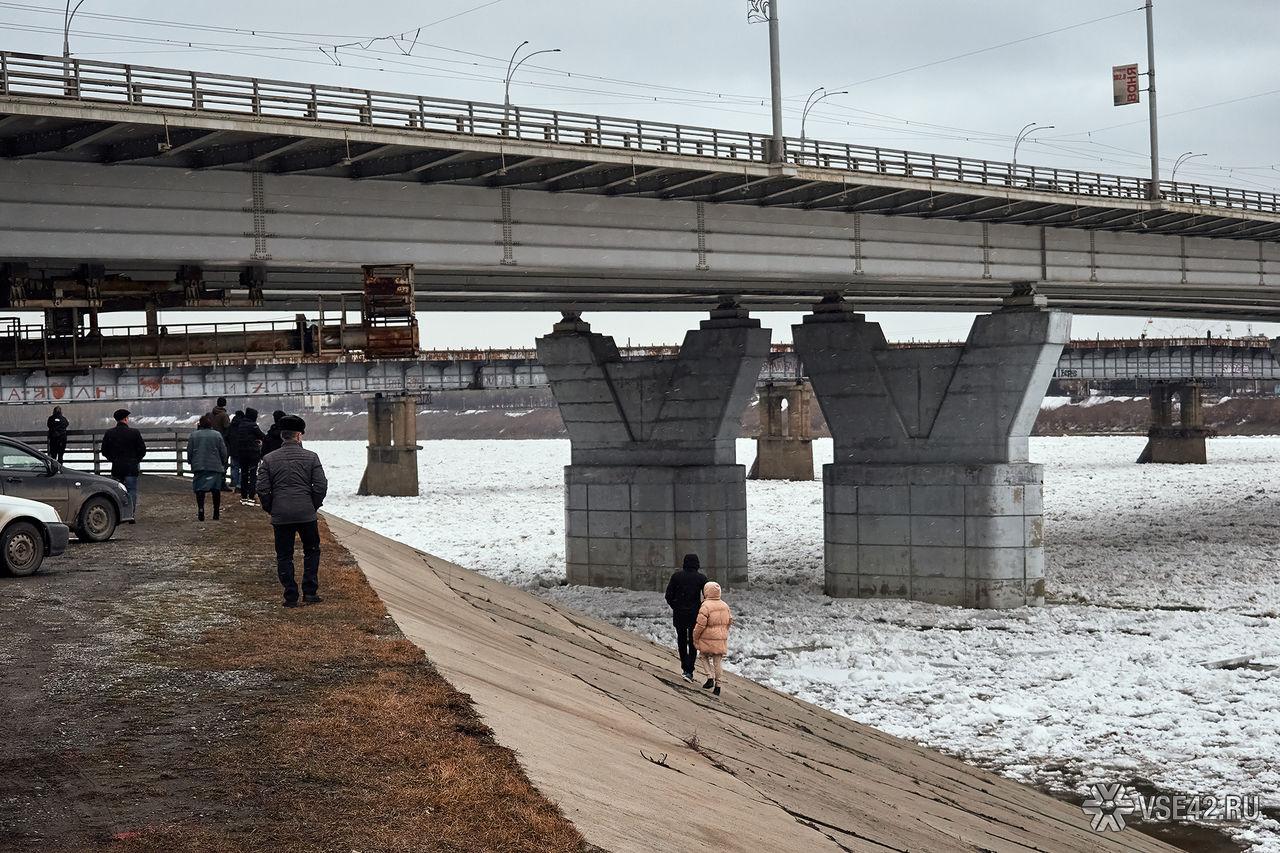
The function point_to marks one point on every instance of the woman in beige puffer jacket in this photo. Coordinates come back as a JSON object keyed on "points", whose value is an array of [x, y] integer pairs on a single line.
{"points": [[711, 634]]}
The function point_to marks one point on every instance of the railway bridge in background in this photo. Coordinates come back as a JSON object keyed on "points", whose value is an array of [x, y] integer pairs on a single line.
{"points": [[133, 187]]}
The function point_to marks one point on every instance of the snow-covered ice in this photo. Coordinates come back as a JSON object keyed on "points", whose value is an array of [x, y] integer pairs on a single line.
{"points": [[1152, 570]]}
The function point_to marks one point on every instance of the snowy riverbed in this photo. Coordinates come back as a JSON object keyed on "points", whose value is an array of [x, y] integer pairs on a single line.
{"points": [[1151, 571]]}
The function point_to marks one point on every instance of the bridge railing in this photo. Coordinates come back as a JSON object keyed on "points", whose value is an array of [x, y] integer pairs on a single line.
{"points": [[30, 75], [166, 448]]}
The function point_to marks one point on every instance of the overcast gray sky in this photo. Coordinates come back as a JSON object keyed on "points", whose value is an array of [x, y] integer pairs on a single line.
{"points": [[958, 78]]}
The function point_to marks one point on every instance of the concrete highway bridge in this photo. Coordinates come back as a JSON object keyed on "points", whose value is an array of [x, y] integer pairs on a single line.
{"points": [[133, 187]]}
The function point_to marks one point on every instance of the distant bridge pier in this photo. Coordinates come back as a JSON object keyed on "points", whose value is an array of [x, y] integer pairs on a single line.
{"points": [[654, 472], [784, 448], [392, 466], [931, 496], [1181, 443]]}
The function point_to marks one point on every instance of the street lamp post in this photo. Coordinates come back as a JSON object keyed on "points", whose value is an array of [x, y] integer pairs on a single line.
{"points": [[1026, 131], [513, 67], [1182, 158], [67, 15], [812, 102]]}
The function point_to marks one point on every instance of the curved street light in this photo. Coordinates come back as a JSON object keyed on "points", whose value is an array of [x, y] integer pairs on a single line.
{"points": [[67, 15], [1182, 158], [513, 67], [811, 102], [1026, 131]]}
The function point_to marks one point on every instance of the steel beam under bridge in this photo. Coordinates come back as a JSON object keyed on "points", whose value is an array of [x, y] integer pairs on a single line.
{"points": [[1154, 359]]}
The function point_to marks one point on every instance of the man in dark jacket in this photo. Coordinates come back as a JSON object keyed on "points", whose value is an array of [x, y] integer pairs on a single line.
{"points": [[248, 450], [123, 447], [218, 418], [292, 487], [230, 438], [57, 425], [272, 441], [684, 594]]}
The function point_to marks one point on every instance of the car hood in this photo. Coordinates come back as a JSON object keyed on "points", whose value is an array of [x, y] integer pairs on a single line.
{"points": [[12, 506]]}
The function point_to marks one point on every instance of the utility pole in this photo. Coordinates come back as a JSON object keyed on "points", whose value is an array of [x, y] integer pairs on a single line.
{"points": [[767, 10], [1154, 192]]}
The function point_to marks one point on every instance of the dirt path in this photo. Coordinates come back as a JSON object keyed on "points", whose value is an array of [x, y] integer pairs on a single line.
{"points": [[155, 696]]}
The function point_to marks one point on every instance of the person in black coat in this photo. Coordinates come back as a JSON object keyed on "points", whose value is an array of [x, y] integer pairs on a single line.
{"points": [[57, 425], [273, 440], [123, 447], [684, 595], [230, 438], [248, 443]]}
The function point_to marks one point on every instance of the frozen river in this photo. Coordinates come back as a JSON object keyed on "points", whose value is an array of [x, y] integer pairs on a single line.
{"points": [[1151, 571]]}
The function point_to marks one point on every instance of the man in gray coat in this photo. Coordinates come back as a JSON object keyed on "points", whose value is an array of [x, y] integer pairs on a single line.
{"points": [[291, 487]]}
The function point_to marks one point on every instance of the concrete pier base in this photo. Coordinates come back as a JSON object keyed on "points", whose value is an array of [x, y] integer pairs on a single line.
{"points": [[931, 496], [653, 473], [1181, 443], [630, 525], [784, 448], [392, 464], [966, 535]]}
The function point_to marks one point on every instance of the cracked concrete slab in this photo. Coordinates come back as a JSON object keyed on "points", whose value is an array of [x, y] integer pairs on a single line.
{"points": [[641, 760]]}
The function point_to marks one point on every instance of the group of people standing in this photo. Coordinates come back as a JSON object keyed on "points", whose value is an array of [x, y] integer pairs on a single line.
{"points": [[287, 479], [702, 621]]}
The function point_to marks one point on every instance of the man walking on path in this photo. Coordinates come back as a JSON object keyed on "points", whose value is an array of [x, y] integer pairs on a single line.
{"points": [[123, 447], [292, 486], [684, 595]]}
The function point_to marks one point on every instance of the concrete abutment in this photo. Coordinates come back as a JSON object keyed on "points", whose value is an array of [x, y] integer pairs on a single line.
{"points": [[392, 464], [653, 471], [931, 495]]}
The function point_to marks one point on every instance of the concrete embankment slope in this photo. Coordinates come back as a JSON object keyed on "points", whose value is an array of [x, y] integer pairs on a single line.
{"points": [[604, 726]]}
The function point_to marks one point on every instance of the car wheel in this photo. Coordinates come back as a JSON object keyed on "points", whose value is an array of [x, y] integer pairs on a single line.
{"points": [[22, 547], [97, 520]]}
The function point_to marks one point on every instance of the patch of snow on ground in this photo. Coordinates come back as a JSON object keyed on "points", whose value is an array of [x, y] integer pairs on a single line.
{"points": [[1152, 570]]}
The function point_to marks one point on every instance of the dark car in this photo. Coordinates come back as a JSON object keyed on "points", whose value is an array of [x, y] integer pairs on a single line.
{"points": [[91, 504]]}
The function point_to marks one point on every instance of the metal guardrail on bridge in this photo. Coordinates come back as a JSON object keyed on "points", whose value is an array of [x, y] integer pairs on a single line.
{"points": [[166, 448], [163, 89]]}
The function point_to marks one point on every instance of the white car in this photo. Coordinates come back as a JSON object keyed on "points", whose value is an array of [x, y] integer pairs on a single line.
{"points": [[29, 532]]}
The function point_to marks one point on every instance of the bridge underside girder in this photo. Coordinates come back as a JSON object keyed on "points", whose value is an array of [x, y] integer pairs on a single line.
{"points": [[595, 230]]}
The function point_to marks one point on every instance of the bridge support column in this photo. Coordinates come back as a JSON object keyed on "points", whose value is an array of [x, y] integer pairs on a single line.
{"points": [[784, 449], [392, 466], [653, 472], [931, 496], [1182, 443]]}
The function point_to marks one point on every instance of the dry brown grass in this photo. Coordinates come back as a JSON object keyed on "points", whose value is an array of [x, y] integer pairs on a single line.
{"points": [[351, 742]]}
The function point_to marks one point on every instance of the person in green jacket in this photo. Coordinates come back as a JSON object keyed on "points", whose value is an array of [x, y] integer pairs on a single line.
{"points": [[207, 457]]}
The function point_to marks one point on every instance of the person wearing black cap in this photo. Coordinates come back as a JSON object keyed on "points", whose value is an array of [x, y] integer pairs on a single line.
{"points": [[123, 447], [291, 487], [684, 594]]}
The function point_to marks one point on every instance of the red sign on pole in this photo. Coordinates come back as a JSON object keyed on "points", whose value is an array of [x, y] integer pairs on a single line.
{"points": [[1124, 84]]}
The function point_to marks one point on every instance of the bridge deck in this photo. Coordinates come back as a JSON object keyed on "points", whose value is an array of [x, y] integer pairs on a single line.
{"points": [[309, 182]]}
